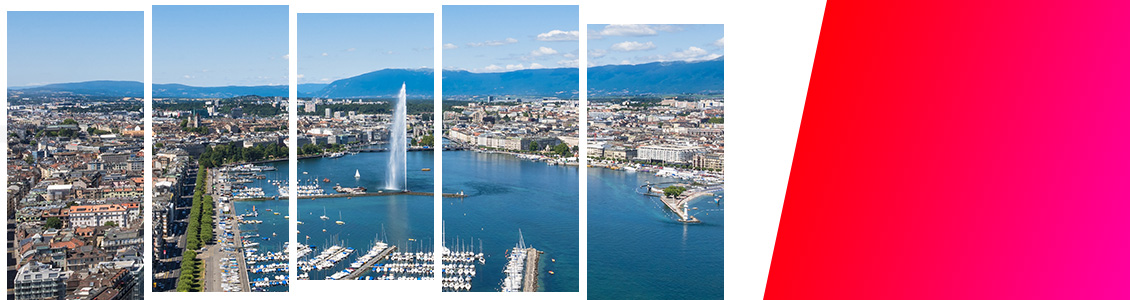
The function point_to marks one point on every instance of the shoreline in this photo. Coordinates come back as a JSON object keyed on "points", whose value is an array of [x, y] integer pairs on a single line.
{"points": [[617, 166]]}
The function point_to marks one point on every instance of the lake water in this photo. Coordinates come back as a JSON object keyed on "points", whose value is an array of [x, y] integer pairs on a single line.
{"points": [[402, 220], [504, 195], [638, 250]]}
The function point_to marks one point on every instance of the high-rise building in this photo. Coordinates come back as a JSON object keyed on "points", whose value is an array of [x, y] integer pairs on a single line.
{"points": [[328, 113]]}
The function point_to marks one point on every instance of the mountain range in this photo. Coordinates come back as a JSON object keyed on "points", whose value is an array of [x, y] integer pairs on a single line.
{"points": [[658, 78], [702, 77]]}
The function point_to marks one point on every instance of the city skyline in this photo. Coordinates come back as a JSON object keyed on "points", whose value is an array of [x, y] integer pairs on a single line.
{"points": [[334, 46], [500, 38], [623, 44], [221, 45], [47, 47]]}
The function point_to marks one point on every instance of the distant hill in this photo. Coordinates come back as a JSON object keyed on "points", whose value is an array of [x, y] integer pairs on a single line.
{"points": [[561, 82], [306, 89], [183, 91], [701, 77], [420, 83], [90, 88]]}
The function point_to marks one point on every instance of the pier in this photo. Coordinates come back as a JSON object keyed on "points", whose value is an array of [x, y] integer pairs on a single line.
{"points": [[530, 281], [679, 206], [241, 259], [369, 264]]}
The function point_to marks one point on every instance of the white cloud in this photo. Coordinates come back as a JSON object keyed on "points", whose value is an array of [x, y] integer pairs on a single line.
{"points": [[515, 67], [324, 80], [494, 43], [568, 63], [543, 51], [690, 54], [350, 49], [668, 28], [559, 35], [597, 53], [628, 30], [286, 56], [536, 66], [492, 68], [449, 46], [631, 30], [720, 43], [633, 46], [569, 55], [300, 76], [625, 62], [595, 35], [189, 77], [325, 54]]}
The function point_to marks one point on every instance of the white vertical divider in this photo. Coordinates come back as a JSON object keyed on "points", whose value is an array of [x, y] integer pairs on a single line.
{"points": [[147, 181], [437, 146], [583, 161], [292, 140]]}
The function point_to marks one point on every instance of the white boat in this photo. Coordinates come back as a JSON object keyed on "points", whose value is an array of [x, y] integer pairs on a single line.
{"points": [[339, 222], [357, 174], [324, 217]]}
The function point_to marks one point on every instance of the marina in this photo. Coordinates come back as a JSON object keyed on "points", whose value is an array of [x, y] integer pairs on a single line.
{"points": [[521, 268], [402, 219], [253, 241], [536, 197]]}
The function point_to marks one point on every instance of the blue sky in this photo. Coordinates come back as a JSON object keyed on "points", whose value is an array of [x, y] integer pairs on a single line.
{"points": [[498, 38], [220, 45], [60, 47], [336, 46], [636, 44]]}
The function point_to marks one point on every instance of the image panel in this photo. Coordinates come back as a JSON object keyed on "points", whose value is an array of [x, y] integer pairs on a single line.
{"points": [[510, 167], [365, 183], [220, 140], [655, 149], [75, 155]]}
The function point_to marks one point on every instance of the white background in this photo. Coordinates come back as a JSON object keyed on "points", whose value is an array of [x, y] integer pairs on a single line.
{"points": [[770, 49]]}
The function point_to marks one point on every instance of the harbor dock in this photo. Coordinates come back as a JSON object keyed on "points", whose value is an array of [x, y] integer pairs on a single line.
{"points": [[679, 207], [369, 264], [530, 281]]}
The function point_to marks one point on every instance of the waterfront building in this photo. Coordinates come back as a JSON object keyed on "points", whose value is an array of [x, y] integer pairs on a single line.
{"points": [[668, 153], [708, 161]]}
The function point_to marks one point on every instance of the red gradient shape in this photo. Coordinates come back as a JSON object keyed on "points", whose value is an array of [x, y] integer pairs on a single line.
{"points": [[962, 150]]}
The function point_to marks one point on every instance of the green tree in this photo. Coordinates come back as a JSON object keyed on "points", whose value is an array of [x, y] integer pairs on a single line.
{"points": [[674, 191], [111, 224], [70, 121], [562, 150], [53, 223], [533, 146], [426, 140]]}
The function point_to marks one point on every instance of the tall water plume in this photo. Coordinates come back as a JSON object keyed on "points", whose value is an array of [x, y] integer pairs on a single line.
{"points": [[398, 146]]}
